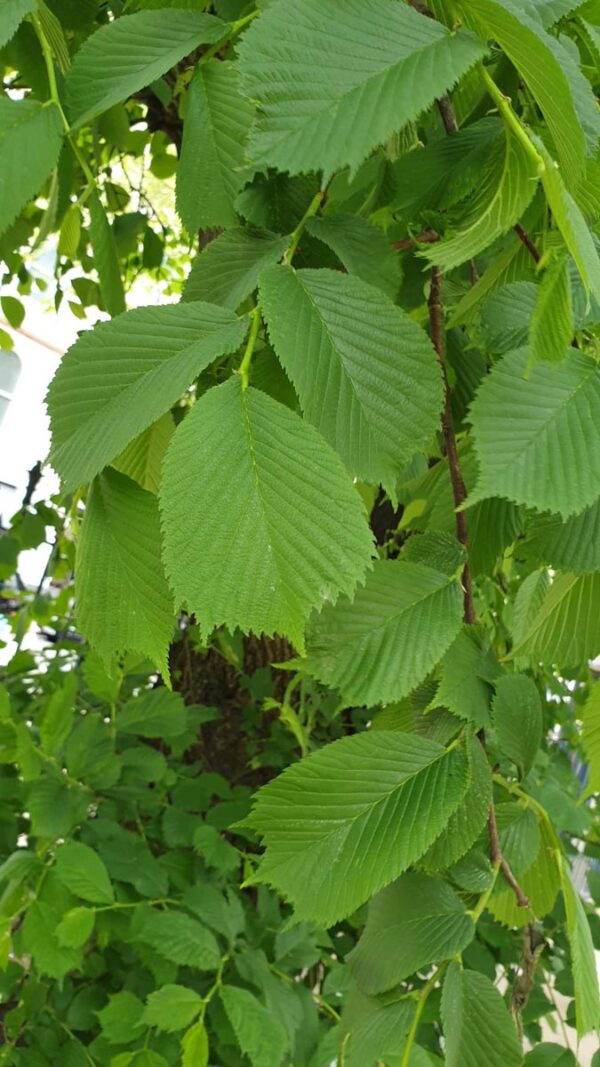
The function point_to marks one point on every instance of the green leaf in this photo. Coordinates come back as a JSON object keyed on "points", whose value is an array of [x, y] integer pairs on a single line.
{"points": [[386, 794], [120, 377], [550, 1055], [572, 225], [157, 713], [12, 14], [566, 627], [552, 326], [506, 188], [132, 51], [290, 533], [194, 1046], [228, 269], [367, 376], [106, 259], [122, 1019], [181, 939], [83, 872], [466, 672], [260, 1036], [535, 439], [541, 65], [467, 998], [591, 738], [583, 958], [363, 249], [172, 1007], [38, 939], [518, 719], [374, 1031], [142, 459], [217, 120], [123, 600], [414, 922], [467, 822], [75, 927], [573, 545], [30, 142], [379, 646], [318, 113], [58, 716], [540, 880]]}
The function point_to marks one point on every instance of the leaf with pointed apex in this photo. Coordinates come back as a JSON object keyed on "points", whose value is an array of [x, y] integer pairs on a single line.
{"points": [[566, 627], [130, 52], [228, 269], [366, 375], [12, 14], [591, 738], [532, 51], [504, 193], [536, 439], [83, 872], [384, 795], [363, 249], [466, 672], [260, 1035], [106, 259], [194, 1046], [120, 377], [573, 545], [172, 1007], [379, 646], [123, 602], [552, 327], [142, 459], [574, 230], [467, 822], [467, 998], [215, 128], [414, 922], [327, 98], [30, 141], [518, 718], [583, 957], [290, 533]]}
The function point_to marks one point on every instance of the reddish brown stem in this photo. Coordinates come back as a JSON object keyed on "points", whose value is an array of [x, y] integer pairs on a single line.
{"points": [[496, 856], [526, 240]]}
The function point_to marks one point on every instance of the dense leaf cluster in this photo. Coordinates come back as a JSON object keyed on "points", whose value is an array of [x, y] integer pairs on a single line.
{"points": [[364, 440]]}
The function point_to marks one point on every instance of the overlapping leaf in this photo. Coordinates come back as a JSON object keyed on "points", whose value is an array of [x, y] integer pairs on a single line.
{"points": [[122, 376], [366, 375], [12, 14], [468, 998], [288, 535], [566, 627], [142, 459], [470, 817], [573, 545], [591, 738], [228, 269], [383, 797], [552, 325], [378, 647], [131, 52], [517, 715], [363, 249], [217, 120], [30, 142], [536, 439], [123, 601], [583, 957], [334, 80]]}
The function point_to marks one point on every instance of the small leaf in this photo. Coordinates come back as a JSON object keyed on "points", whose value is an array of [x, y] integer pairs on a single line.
{"points": [[172, 1007], [181, 939], [394, 790], [518, 718], [552, 327], [228, 269], [414, 922], [132, 51], [194, 1046], [123, 600], [363, 248], [379, 646], [468, 997], [30, 141], [75, 927], [121, 1020], [83, 872], [157, 713], [466, 672], [106, 258], [260, 1036]]}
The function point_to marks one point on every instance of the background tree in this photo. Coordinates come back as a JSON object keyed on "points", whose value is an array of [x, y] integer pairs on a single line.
{"points": [[306, 771]]}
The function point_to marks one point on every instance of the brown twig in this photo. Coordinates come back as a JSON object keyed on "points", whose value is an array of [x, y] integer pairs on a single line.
{"points": [[426, 237], [526, 240], [459, 492], [533, 946], [497, 856]]}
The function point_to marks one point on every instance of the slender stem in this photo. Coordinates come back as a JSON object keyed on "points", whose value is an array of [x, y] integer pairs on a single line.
{"points": [[311, 210], [235, 28], [255, 320], [482, 902], [414, 1026], [526, 240], [504, 107], [459, 492], [498, 858]]}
